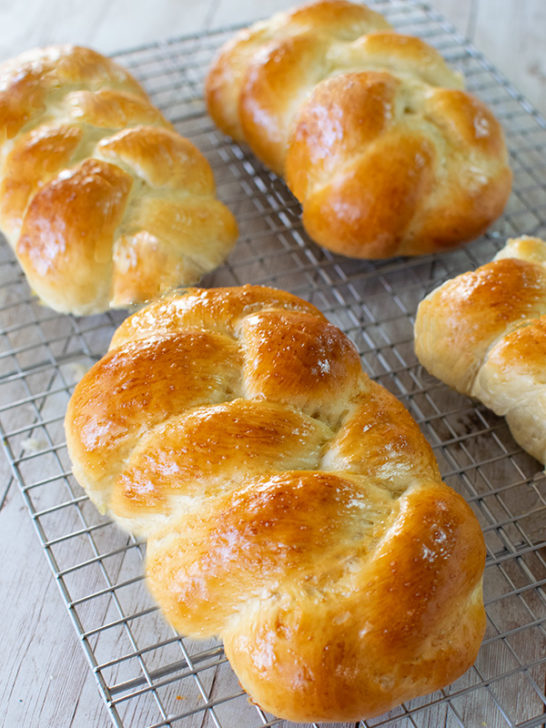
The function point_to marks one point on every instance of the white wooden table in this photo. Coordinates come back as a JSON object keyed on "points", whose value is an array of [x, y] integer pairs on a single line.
{"points": [[44, 678]]}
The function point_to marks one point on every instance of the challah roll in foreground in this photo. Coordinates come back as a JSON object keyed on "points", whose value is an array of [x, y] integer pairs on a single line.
{"points": [[104, 204], [484, 334], [370, 128], [291, 505]]}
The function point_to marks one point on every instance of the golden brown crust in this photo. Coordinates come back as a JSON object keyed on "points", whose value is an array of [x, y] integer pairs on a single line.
{"points": [[61, 256], [484, 334], [218, 309], [291, 505], [458, 322], [26, 81], [313, 651], [127, 391], [287, 69], [255, 436], [370, 128], [104, 204], [226, 78]]}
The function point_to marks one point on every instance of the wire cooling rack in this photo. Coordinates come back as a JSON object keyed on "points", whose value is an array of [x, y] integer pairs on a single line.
{"points": [[149, 676]]}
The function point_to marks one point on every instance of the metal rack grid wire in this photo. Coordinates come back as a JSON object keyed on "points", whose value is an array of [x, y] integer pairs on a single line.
{"points": [[151, 677]]}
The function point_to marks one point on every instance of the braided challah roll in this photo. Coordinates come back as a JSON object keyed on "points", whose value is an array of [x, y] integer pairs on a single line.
{"points": [[104, 204], [291, 505], [484, 334], [370, 129]]}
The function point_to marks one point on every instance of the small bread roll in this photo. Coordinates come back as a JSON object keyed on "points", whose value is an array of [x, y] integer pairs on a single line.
{"points": [[291, 505], [484, 334], [104, 204], [371, 130]]}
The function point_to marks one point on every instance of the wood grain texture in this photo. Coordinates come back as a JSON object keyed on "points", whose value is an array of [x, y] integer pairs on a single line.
{"points": [[107, 26], [515, 40], [45, 680], [510, 33]]}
